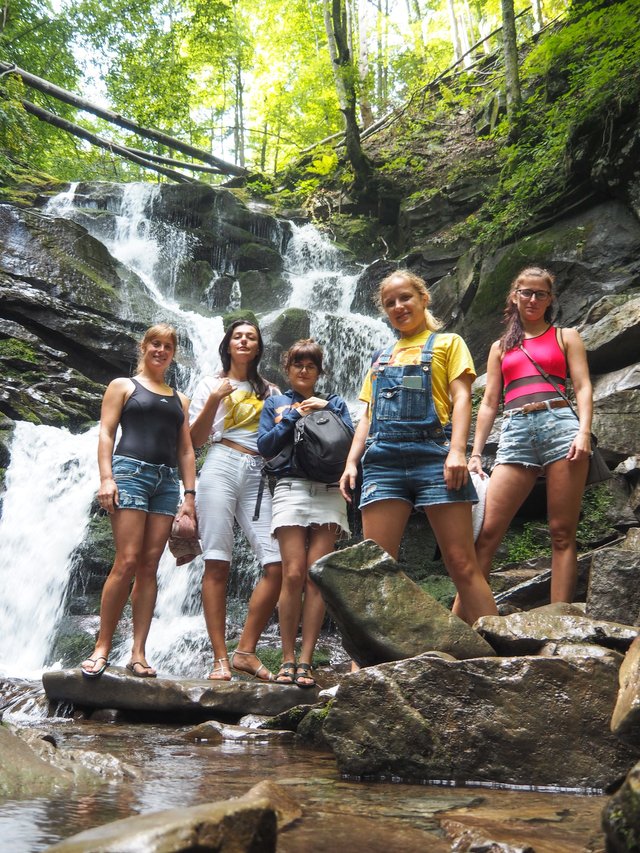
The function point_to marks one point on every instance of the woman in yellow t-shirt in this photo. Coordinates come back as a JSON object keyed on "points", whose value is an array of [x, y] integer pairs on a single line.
{"points": [[412, 439]]}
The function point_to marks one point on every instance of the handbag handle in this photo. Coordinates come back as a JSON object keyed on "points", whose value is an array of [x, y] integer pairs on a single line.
{"points": [[549, 379]]}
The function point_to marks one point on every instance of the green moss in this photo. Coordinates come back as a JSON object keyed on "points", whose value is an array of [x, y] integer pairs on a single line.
{"points": [[441, 588], [13, 348]]}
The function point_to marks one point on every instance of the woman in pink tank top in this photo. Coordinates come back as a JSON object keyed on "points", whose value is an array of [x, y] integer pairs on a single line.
{"points": [[539, 430]]}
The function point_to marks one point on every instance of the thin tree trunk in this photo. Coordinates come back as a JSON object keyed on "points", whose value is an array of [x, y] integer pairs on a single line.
{"points": [[115, 118], [511, 72], [76, 130], [455, 35]]}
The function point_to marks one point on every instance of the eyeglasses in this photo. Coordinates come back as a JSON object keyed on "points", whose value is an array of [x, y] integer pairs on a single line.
{"points": [[304, 365], [540, 295]]}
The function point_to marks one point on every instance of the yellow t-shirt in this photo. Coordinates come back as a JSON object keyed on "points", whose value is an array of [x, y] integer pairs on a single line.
{"points": [[451, 358]]}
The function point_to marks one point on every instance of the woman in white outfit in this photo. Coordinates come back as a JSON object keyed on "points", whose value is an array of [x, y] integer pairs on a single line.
{"points": [[225, 411]]}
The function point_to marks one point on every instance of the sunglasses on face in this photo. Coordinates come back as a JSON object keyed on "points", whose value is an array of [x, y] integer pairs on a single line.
{"points": [[540, 295]]}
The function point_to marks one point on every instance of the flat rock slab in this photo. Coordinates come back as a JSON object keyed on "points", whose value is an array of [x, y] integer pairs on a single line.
{"points": [[231, 826], [185, 699], [519, 721]]}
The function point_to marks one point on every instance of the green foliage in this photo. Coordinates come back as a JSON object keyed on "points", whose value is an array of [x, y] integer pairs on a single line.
{"points": [[581, 75], [324, 163], [440, 588], [16, 350]]}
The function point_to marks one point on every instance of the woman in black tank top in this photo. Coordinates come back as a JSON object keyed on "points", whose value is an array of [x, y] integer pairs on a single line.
{"points": [[139, 489]]}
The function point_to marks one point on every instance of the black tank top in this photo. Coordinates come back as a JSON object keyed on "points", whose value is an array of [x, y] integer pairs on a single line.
{"points": [[150, 426]]}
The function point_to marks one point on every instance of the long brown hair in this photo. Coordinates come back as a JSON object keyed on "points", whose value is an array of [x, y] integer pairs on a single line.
{"points": [[420, 287], [514, 333]]}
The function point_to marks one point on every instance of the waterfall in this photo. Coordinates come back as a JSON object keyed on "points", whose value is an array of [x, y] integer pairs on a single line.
{"points": [[53, 475], [50, 483]]}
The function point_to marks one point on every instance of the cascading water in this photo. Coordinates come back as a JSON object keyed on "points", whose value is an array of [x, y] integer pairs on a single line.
{"points": [[155, 252]]}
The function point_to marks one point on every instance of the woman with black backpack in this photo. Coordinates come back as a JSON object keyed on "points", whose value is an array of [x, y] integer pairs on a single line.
{"points": [[308, 514]]}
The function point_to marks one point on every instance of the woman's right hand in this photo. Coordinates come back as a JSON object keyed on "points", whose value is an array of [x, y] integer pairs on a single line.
{"points": [[224, 388], [474, 465], [348, 481], [108, 495]]}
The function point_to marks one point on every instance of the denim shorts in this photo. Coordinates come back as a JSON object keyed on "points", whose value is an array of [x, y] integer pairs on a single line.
{"points": [[536, 438], [147, 487], [410, 471], [305, 503]]}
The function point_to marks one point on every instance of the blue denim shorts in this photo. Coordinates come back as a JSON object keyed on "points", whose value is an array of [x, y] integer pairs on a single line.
{"points": [[410, 471], [147, 487], [536, 438]]}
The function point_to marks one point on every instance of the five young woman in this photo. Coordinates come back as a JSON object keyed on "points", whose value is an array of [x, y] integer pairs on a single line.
{"points": [[411, 442]]}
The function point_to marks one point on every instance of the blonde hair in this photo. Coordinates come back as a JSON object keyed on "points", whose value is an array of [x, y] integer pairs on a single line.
{"points": [[514, 333], [159, 330], [420, 287]]}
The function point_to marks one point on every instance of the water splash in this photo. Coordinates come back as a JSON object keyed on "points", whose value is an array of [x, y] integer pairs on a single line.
{"points": [[50, 484]]}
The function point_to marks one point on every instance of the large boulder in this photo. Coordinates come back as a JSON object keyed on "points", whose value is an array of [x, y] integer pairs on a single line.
{"points": [[382, 614], [621, 816], [23, 773], [519, 721]]}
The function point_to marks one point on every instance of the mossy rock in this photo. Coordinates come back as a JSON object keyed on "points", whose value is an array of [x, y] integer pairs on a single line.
{"points": [[240, 314], [255, 256], [263, 290], [286, 329]]}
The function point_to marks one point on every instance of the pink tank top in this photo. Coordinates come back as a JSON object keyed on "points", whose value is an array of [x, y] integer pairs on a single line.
{"points": [[521, 379]]}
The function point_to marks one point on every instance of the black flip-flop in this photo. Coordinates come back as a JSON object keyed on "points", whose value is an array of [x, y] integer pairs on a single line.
{"points": [[132, 669], [95, 673]]}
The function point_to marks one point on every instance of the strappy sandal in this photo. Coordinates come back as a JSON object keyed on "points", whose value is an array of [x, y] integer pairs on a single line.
{"points": [[286, 673], [303, 670], [144, 671], [220, 672], [254, 673]]}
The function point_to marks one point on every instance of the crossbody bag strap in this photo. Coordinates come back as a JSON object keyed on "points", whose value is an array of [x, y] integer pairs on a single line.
{"points": [[548, 378]]}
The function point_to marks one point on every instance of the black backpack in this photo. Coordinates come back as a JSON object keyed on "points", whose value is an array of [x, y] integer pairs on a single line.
{"points": [[321, 445]]}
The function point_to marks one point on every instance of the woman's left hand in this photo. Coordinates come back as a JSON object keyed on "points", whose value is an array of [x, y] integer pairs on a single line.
{"points": [[580, 447], [312, 404], [456, 472], [187, 507]]}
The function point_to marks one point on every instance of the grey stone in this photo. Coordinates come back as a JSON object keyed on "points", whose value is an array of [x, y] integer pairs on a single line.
{"points": [[23, 773], [215, 732], [614, 585], [621, 816], [521, 721], [177, 698], [382, 614], [526, 633]]}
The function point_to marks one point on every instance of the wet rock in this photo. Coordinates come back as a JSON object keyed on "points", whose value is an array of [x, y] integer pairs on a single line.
{"points": [[215, 732], [625, 722], [467, 840], [310, 731], [528, 720], [178, 699], [23, 773], [291, 718], [621, 816], [382, 614], [287, 809], [614, 591], [525, 633], [231, 826]]}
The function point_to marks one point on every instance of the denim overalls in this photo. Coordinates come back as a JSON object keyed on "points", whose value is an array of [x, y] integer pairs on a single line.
{"points": [[407, 445]]}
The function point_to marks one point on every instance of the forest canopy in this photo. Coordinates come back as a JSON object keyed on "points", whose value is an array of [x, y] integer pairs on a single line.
{"points": [[254, 83]]}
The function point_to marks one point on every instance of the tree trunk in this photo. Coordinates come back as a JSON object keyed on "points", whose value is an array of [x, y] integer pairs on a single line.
{"points": [[455, 34], [335, 17], [511, 73], [75, 101], [76, 130], [366, 113]]}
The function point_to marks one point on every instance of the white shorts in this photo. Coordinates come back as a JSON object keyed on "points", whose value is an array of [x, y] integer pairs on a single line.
{"points": [[228, 488], [302, 503]]}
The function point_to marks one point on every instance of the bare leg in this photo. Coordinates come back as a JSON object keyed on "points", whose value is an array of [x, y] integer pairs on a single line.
{"points": [[384, 522], [261, 605], [565, 487], [322, 541], [451, 524], [128, 532], [214, 605], [145, 588], [508, 488], [293, 549]]}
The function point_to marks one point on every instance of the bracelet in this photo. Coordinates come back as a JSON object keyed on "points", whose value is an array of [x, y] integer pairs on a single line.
{"points": [[190, 492], [475, 456]]}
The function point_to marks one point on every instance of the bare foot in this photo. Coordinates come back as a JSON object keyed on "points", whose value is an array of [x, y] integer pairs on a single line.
{"points": [[251, 665]]}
